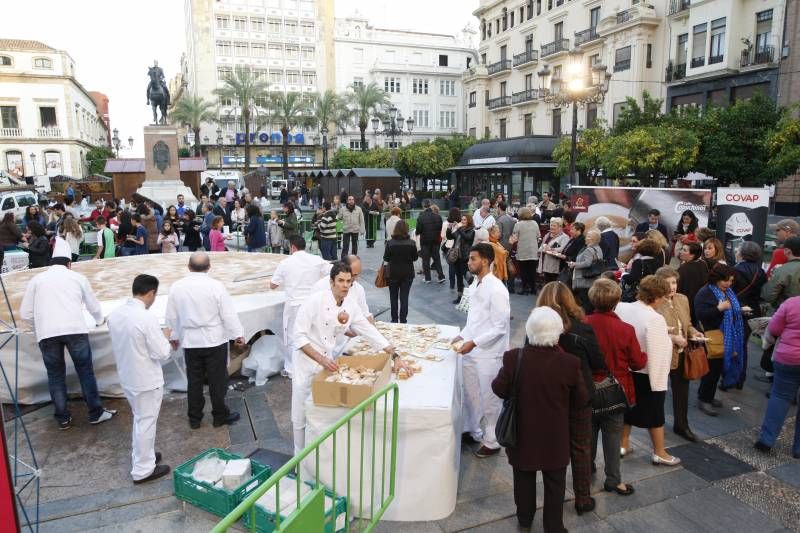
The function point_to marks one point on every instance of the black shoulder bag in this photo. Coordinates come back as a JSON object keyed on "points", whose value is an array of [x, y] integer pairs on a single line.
{"points": [[609, 397], [506, 427]]}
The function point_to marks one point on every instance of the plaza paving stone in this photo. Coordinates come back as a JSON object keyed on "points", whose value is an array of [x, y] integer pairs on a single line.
{"points": [[86, 484]]}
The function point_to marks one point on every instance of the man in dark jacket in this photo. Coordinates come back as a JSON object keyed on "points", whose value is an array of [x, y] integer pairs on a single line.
{"points": [[653, 222], [429, 229]]}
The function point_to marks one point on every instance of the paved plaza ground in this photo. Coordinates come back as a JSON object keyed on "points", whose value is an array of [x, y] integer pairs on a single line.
{"points": [[723, 484]]}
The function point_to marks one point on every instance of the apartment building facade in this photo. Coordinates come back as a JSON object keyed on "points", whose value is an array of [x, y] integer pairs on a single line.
{"points": [[723, 50], [505, 98], [421, 73], [285, 42], [48, 120]]}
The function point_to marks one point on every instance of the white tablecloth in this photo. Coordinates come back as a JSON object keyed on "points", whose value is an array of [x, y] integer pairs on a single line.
{"points": [[257, 311], [429, 444]]}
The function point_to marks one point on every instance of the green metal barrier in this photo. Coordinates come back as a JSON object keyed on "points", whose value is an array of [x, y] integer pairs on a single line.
{"points": [[309, 514]]}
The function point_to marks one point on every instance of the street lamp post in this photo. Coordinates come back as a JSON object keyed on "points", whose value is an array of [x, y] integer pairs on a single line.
{"points": [[117, 142], [324, 131], [219, 146], [393, 126], [581, 87]]}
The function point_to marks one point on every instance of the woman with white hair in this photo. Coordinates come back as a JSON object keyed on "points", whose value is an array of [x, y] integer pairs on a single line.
{"points": [[549, 390], [583, 268], [551, 250], [609, 241]]}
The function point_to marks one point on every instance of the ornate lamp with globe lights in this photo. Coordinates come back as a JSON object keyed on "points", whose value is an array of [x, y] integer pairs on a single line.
{"points": [[580, 87], [393, 125]]}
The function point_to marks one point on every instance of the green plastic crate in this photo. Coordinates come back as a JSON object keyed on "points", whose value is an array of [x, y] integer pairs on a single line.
{"points": [[265, 520], [216, 500]]}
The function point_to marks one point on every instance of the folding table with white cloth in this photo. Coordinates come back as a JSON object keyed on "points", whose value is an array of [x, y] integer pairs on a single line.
{"points": [[429, 443]]}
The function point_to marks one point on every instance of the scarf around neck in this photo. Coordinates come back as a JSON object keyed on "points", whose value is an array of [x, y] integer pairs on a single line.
{"points": [[733, 337]]}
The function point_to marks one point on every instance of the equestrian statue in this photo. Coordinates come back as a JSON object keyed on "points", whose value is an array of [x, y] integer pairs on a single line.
{"points": [[157, 93]]}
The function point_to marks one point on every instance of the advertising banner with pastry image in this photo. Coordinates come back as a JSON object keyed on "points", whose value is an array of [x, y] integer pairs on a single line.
{"points": [[741, 216], [627, 207]]}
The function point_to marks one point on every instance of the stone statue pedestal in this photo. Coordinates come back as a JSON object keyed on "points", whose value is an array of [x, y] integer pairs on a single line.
{"points": [[162, 175]]}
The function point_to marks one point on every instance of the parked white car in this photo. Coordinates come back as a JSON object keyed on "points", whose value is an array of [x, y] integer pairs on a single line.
{"points": [[16, 202]]}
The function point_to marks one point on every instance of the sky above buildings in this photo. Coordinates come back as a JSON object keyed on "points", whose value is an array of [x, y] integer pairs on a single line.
{"points": [[113, 42]]}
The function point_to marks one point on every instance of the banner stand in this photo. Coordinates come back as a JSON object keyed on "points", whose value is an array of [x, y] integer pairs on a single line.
{"points": [[17, 477]]}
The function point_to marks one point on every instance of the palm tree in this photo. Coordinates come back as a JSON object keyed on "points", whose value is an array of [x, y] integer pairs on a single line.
{"points": [[329, 109], [365, 102], [194, 110], [288, 111], [243, 90]]}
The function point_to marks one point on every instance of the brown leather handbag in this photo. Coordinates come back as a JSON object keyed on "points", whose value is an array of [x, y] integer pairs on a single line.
{"points": [[382, 279], [695, 361]]}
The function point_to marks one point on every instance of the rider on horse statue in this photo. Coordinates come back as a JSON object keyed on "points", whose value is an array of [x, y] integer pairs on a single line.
{"points": [[157, 91]]}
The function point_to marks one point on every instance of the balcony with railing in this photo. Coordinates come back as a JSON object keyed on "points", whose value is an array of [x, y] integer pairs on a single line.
{"points": [[758, 56], [10, 132], [504, 65], [586, 36], [626, 16], [675, 73], [712, 60], [497, 103], [698, 62], [638, 14], [679, 7], [474, 72], [526, 58], [557, 46], [50, 133], [528, 95]]}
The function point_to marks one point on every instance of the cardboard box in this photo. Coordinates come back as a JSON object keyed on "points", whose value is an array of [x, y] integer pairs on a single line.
{"points": [[343, 395]]}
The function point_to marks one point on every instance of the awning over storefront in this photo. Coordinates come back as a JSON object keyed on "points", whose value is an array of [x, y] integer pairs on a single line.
{"points": [[519, 152]]}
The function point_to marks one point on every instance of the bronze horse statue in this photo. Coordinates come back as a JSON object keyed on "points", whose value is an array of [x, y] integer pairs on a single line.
{"points": [[157, 94]]}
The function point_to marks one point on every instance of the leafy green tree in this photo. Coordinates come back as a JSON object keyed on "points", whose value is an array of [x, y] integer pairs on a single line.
{"points": [[633, 115], [96, 158], [288, 111], [733, 142], [457, 145], [244, 90], [366, 101], [783, 146], [326, 110], [424, 159], [193, 111], [184, 152], [650, 152], [590, 149]]}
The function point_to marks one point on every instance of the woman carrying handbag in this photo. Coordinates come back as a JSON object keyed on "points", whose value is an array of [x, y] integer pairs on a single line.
{"points": [[675, 310]]}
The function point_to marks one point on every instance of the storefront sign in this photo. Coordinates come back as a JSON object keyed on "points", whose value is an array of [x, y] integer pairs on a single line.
{"points": [[488, 161], [741, 217], [271, 138], [268, 160], [626, 207]]}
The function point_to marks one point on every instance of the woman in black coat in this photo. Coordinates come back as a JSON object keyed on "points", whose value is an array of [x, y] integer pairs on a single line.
{"points": [[693, 273], [400, 253], [750, 278], [464, 235], [38, 246]]}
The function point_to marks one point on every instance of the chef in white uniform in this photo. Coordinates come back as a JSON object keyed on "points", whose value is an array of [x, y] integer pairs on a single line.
{"points": [[296, 276], [357, 296], [485, 338], [323, 318], [139, 346]]}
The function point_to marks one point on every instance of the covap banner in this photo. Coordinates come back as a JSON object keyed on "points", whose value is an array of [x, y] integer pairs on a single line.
{"points": [[741, 216]]}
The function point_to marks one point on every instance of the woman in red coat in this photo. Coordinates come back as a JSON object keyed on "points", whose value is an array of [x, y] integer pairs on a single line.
{"points": [[622, 353], [550, 390]]}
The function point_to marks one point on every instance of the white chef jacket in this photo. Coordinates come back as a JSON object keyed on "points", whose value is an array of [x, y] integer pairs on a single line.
{"points": [[489, 318], [139, 346], [200, 312], [357, 294], [317, 324], [54, 300], [297, 273]]}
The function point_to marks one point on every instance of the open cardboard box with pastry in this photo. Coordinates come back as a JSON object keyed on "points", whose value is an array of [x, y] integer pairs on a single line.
{"points": [[328, 390]]}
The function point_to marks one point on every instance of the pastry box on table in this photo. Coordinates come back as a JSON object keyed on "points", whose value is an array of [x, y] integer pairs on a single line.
{"points": [[328, 394]]}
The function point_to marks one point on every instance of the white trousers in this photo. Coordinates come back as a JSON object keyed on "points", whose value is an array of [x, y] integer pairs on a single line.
{"points": [[289, 317], [145, 407], [301, 389], [481, 405]]}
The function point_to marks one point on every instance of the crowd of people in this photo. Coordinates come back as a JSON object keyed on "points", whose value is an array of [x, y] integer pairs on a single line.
{"points": [[615, 323]]}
